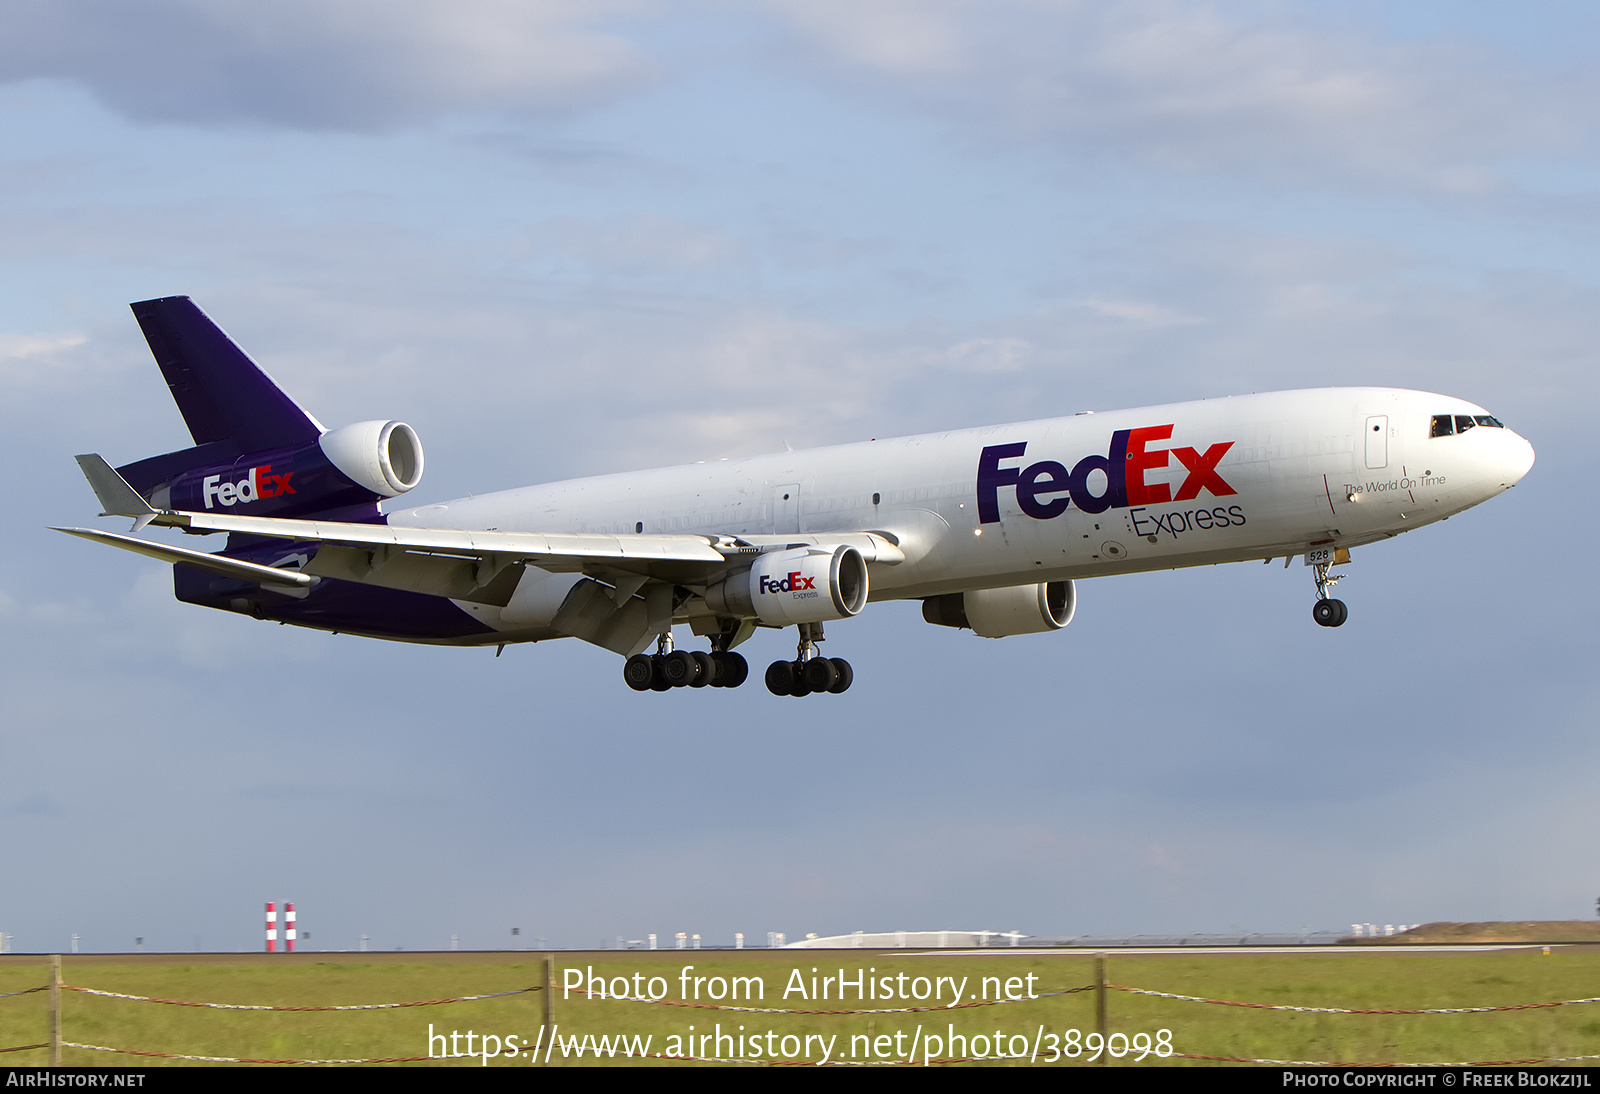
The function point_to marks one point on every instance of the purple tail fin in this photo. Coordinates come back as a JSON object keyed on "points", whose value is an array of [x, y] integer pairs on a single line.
{"points": [[231, 406], [255, 447]]}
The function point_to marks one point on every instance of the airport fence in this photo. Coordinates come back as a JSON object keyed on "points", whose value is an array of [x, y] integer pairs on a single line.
{"points": [[1097, 1047]]}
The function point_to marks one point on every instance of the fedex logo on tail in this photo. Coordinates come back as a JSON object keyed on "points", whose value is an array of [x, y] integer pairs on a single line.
{"points": [[256, 485], [1046, 488]]}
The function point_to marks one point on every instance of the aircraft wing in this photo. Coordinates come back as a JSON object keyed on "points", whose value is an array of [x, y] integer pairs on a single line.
{"points": [[476, 565], [270, 576]]}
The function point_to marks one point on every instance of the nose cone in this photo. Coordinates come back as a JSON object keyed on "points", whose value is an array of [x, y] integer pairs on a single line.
{"points": [[1517, 459]]}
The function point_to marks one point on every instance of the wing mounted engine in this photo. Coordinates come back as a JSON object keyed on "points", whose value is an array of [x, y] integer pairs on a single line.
{"points": [[799, 585], [999, 613]]}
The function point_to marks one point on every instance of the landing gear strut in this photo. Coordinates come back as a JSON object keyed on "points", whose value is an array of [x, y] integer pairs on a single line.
{"points": [[668, 668], [809, 672], [1327, 611]]}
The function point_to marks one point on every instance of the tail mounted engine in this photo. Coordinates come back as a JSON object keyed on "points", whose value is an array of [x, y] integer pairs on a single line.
{"points": [[256, 450], [343, 470], [356, 465], [999, 613]]}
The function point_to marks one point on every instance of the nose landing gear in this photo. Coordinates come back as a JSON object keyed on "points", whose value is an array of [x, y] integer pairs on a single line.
{"points": [[1329, 613], [1326, 611]]}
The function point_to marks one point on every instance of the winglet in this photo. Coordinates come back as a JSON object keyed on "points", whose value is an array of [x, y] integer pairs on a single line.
{"points": [[117, 498]]}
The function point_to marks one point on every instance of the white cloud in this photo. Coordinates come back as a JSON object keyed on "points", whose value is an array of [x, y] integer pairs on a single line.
{"points": [[21, 347], [908, 37], [632, 243], [1139, 313], [1005, 354], [38, 362], [355, 64], [1192, 87]]}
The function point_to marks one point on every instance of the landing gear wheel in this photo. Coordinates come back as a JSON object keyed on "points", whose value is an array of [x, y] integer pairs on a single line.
{"points": [[801, 685], [705, 670], [658, 679], [678, 668], [639, 672], [819, 674], [780, 678], [1330, 613], [843, 675], [733, 670]]}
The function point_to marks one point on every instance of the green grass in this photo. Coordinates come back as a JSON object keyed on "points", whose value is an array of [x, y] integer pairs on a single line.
{"points": [[1363, 980], [1544, 930]]}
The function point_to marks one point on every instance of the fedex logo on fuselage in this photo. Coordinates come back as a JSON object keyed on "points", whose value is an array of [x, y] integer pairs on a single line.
{"points": [[256, 485], [1045, 489], [795, 582]]}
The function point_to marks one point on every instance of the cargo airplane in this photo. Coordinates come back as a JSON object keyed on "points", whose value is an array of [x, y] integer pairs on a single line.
{"points": [[989, 528]]}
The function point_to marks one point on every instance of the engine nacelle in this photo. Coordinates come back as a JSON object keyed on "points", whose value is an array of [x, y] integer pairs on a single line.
{"points": [[384, 457], [799, 585], [344, 471], [999, 613]]}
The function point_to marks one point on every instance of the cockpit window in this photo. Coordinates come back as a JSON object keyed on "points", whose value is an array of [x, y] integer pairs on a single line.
{"points": [[1447, 425]]}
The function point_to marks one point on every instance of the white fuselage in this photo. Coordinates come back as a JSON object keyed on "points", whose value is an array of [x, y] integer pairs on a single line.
{"points": [[1237, 478]]}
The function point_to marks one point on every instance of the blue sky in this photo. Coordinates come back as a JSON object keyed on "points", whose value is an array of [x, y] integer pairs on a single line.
{"points": [[565, 238]]}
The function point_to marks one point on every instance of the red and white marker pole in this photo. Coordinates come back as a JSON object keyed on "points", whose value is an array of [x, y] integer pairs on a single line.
{"points": [[272, 926], [288, 927]]}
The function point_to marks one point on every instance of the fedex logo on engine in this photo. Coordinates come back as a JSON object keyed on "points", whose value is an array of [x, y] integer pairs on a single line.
{"points": [[795, 582], [256, 485], [1044, 489]]}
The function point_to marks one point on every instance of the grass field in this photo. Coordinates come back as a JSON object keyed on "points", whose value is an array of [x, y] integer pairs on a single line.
{"points": [[1539, 930], [1371, 978]]}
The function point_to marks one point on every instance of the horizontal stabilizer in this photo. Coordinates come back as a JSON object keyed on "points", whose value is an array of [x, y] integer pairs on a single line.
{"points": [[117, 498], [217, 564]]}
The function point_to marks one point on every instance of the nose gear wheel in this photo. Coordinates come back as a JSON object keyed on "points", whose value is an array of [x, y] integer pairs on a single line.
{"points": [[1327, 612]]}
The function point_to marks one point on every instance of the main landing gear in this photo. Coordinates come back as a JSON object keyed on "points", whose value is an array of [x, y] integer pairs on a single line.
{"points": [[1327, 611], [668, 668], [810, 672]]}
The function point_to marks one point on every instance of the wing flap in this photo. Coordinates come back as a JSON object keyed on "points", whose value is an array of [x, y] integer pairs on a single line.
{"points": [[435, 575]]}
